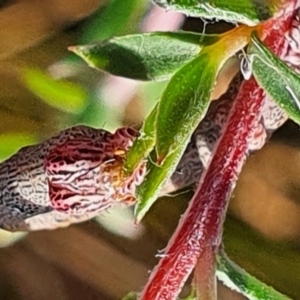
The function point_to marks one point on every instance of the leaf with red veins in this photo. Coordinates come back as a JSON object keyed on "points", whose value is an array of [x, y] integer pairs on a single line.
{"points": [[201, 225]]}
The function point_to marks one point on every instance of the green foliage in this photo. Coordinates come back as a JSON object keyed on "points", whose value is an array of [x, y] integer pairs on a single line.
{"points": [[248, 12], [143, 144], [134, 296], [196, 60], [155, 179], [119, 17], [238, 279], [148, 56], [192, 61], [277, 79], [182, 106]]}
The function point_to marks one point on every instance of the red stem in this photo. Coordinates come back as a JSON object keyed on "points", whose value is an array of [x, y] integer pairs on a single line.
{"points": [[205, 280], [201, 225]]}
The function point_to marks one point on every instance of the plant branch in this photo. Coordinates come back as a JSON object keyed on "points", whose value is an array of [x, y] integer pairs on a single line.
{"points": [[201, 225]]}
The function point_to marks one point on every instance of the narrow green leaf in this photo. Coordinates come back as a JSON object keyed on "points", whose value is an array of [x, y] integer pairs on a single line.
{"points": [[143, 144], [181, 108], [277, 79], [249, 12], [8, 238], [155, 179], [65, 96], [184, 102], [239, 280], [148, 56]]}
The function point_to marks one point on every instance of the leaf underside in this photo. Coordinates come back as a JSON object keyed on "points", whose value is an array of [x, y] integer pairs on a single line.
{"points": [[277, 79]]}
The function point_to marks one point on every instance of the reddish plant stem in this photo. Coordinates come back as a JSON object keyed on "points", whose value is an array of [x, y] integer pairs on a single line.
{"points": [[205, 280], [201, 225]]}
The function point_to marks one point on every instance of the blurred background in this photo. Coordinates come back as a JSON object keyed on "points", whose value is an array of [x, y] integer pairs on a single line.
{"points": [[44, 89]]}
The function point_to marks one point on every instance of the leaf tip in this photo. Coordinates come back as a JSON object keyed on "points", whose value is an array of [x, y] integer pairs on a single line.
{"points": [[72, 48], [78, 50]]}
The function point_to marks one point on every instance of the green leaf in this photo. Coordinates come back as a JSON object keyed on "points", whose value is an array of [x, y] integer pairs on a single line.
{"points": [[239, 280], [148, 56], [143, 144], [249, 12], [181, 108], [191, 296], [63, 95], [155, 179], [10, 143], [277, 79]]}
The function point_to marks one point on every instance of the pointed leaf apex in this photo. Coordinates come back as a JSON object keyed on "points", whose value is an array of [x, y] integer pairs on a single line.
{"points": [[78, 50]]}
